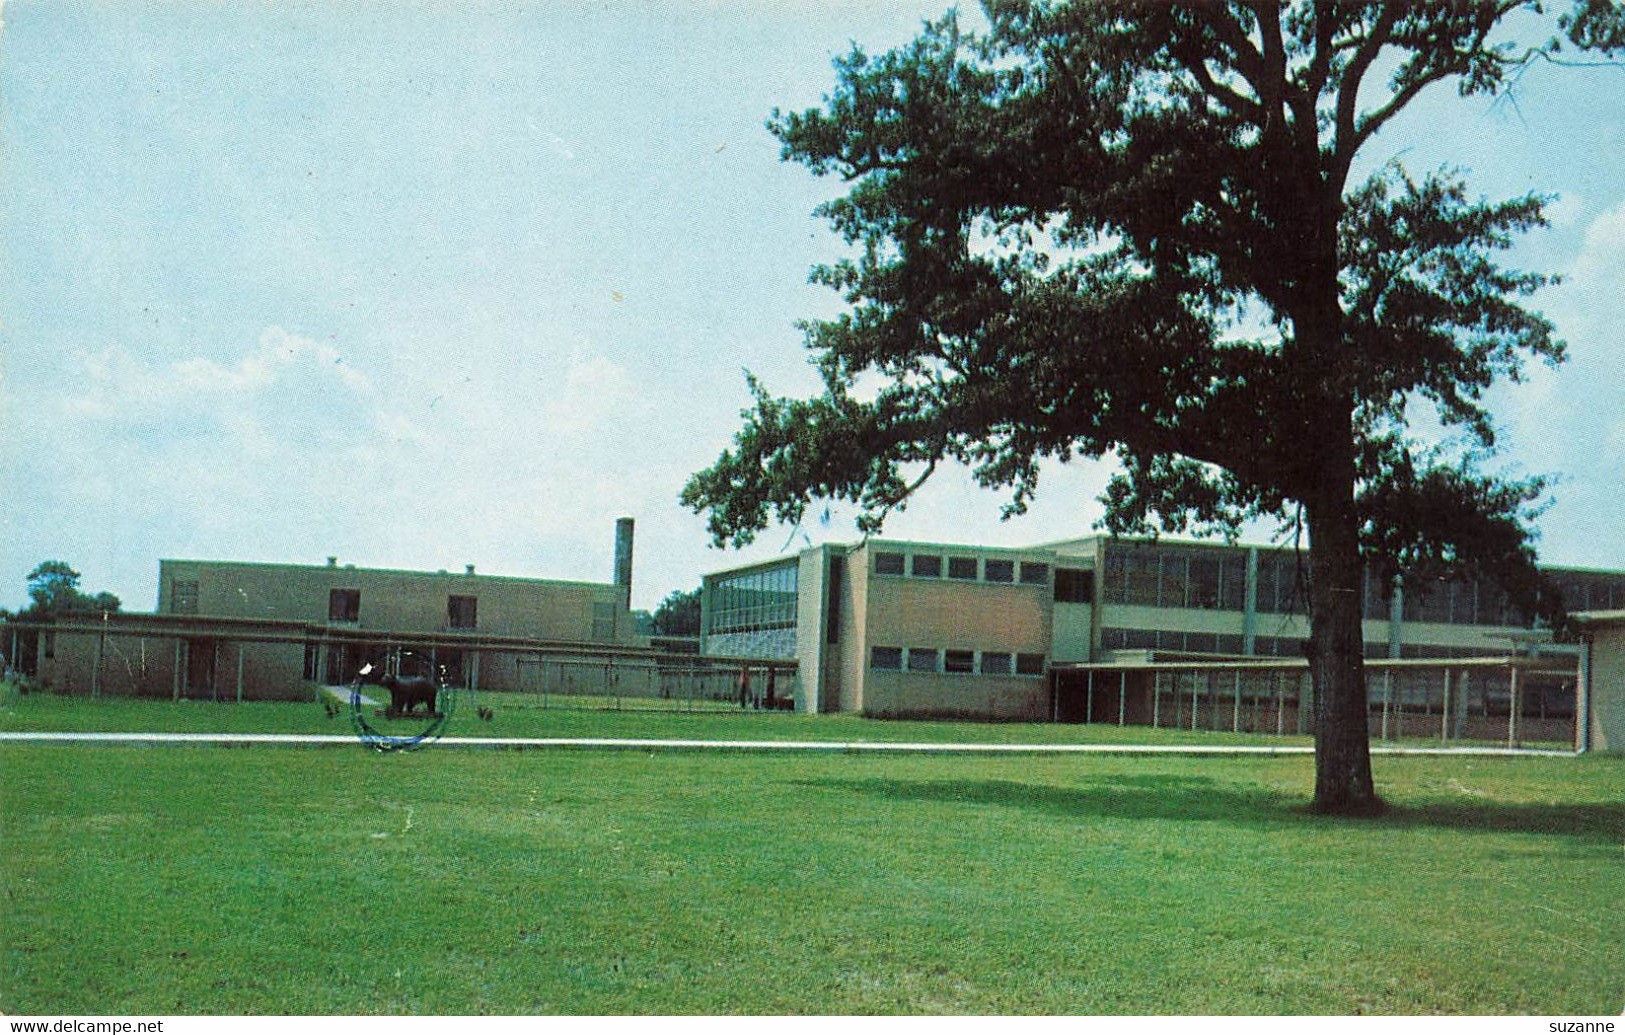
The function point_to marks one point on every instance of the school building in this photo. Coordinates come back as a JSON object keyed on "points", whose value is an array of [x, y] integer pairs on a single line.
{"points": [[230, 630], [1161, 632]]}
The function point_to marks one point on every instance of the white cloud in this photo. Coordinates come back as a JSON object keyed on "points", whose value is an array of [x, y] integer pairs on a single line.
{"points": [[1599, 270], [1566, 211]]}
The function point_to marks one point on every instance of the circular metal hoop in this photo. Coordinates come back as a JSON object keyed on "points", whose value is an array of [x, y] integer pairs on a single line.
{"points": [[445, 698]]}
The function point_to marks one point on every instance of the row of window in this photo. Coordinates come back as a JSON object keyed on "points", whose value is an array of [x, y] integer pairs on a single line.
{"points": [[1263, 646], [963, 569], [344, 605], [1181, 577], [1200, 580], [955, 662], [752, 601]]}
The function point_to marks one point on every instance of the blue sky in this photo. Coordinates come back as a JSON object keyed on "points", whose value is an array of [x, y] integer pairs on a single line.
{"points": [[429, 284]]}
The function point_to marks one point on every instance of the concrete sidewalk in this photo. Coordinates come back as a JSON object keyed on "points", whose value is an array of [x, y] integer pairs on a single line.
{"points": [[342, 695], [837, 747]]}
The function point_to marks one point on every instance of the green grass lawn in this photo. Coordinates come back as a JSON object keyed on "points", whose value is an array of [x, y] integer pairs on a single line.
{"points": [[269, 879]]}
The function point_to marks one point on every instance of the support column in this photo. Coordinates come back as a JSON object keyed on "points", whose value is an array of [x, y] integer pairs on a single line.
{"points": [[1278, 680], [1396, 618], [1444, 711], [1156, 700], [96, 670], [1122, 695], [239, 671], [1512, 707], [180, 670], [1235, 715], [1582, 697], [1463, 701], [1249, 617], [1089, 704], [1387, 698]]}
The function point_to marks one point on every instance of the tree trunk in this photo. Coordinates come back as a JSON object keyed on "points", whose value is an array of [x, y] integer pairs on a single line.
{"points": [[1343, 783]]}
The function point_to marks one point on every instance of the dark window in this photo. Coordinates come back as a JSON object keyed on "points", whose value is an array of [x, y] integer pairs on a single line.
{"points": [[1292, 574], [1140, 639], [963, 661], [183, 597], [1204, 584], [962, 567], [926, 566], [1463, 602], [888, 564], [832, 611], [1029, 664], [603, 622], [1436, 602], [1111, 582], [1174, 584], [1233, 582], [886, 658], [462, 612], [1074, 586], [1033, 574], [922, 659], [995, 663], [1376, 605], [1269, 578], [1140, 576], [1000, 571], [344, 605]]}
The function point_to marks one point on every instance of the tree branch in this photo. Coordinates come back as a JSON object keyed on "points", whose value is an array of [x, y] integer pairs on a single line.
{"points": [[1348, 89]]}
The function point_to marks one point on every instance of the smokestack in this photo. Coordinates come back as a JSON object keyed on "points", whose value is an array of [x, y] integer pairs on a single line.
{"points": [[623, 556]]}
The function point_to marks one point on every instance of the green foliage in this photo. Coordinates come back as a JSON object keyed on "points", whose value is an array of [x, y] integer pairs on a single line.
{"points": [[1104, 229], [679, 614], [53, 586]]}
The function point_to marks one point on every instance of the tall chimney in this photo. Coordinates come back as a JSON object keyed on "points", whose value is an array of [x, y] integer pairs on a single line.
{"points": [[623, 556]]}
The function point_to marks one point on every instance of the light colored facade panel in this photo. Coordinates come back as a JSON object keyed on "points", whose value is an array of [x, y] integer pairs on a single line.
{"points": [[812, 603], [1607, 691], [401, 601], [917, 612], [1467, 639], [853, 643], [1072, 632], [202, 665], [1176, 619], [942, 696]]}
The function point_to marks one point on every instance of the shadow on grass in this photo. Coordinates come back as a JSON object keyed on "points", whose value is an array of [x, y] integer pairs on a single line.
{"points": [[1203, 799]]}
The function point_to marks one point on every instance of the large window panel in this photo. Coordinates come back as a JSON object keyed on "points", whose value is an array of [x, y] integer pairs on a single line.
{"points": [[1140, 579], [922, 659], [887, 658], [1233, 582], [1204, 583], [1175, 580]]}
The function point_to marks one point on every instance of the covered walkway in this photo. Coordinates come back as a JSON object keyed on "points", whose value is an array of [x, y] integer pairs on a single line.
{"points": [[1511, 700]]}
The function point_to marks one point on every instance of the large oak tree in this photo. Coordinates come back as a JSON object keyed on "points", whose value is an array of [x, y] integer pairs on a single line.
{"points": [[1124, 229]]}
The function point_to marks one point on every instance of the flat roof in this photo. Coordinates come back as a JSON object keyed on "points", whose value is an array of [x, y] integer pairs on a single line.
{"points": [[1598, 619], [337, 568]]}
